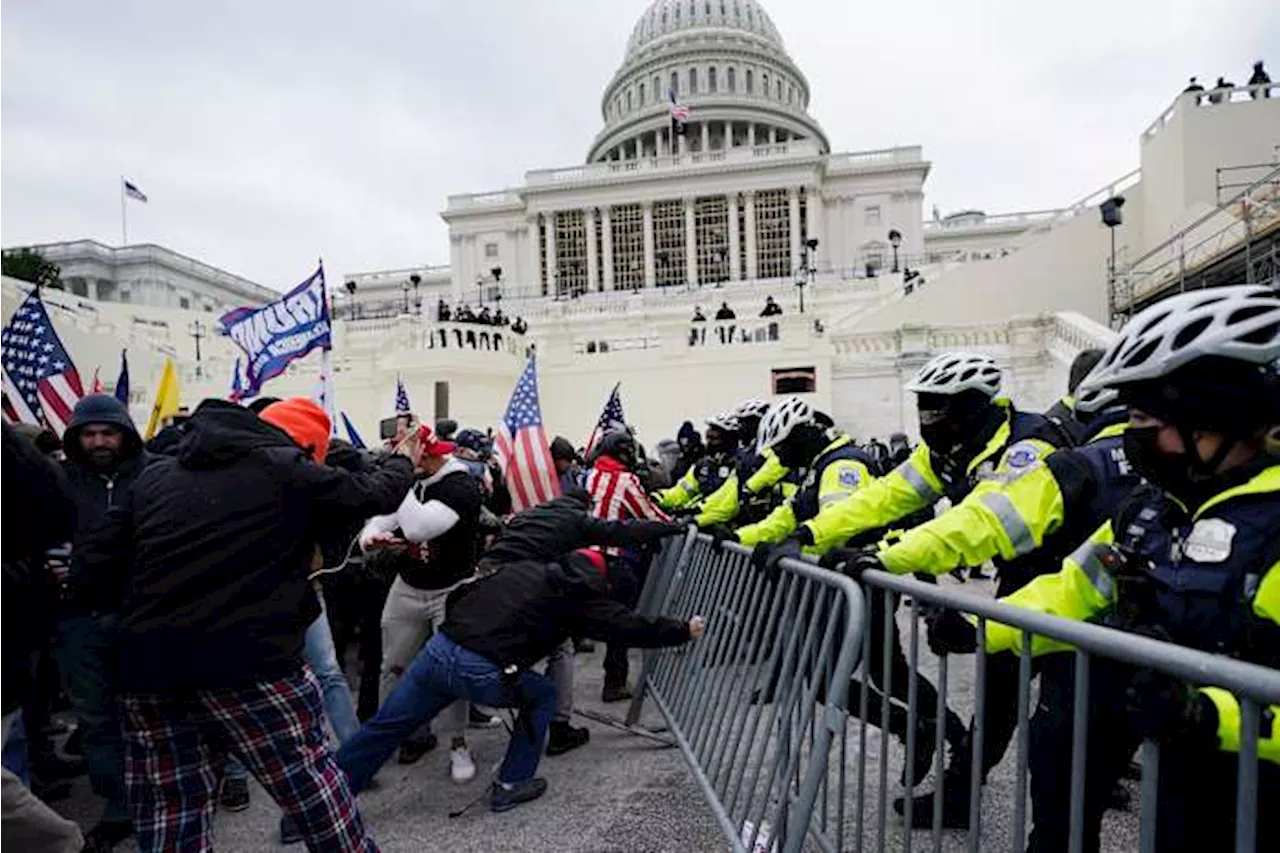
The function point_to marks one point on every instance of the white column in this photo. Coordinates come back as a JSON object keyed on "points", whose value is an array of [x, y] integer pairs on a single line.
{"points": [[593, 260], [773, 135], [691, 239], [647, 207], [706, 136], [735, 268], [552, 276], [606, 241], [528, 286], [753, 268], [793, 199]]}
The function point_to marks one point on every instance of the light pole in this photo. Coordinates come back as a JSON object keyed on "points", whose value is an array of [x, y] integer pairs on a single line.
{"points": [[416, 280], [895, 240], [351, 290], [198, 331], [406, 297], [495, 274], [1112, 218], [805, 274]]}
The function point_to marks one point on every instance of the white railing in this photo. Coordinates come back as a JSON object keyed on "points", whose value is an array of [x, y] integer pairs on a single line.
{"points": [[467, 201], [429, 275], [978, 221], [667, 163], [906, 154], [1209, 98]]}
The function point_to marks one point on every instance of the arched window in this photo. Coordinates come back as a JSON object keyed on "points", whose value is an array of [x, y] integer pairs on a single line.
{"points": [[693, 81], [628, 100], [791, 94], [764, 84], [732, 80], [657, 88], [641, 91], [750, 83], [711, 75], [778, 89]]}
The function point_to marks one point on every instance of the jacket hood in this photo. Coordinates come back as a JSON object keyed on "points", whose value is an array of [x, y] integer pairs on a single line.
{"points": [[605, 462], [450, 466], [220, 433], [100, 409]]}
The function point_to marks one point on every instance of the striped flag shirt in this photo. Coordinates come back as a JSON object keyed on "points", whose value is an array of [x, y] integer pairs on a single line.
{"points": [[40, 380], [522, 447], [616, 495]]}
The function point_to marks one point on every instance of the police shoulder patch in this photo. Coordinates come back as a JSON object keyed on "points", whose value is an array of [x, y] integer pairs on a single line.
{"points": [[1022, 455], [850, 477]]}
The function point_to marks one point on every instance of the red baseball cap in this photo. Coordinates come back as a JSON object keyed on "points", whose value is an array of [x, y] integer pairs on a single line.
{"points": [[433, 445]]}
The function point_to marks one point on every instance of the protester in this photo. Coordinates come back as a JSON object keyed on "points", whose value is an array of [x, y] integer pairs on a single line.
{"points": [[698, 316], [568, 464], [35, 484], [444, 511], [616, 495], [497, 628], [691, 449], [1220, 91], [105, 457], [207, 558], [1262, 80]]}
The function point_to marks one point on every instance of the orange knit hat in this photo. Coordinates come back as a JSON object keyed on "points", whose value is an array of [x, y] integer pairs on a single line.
{"points": [[304, 421]]}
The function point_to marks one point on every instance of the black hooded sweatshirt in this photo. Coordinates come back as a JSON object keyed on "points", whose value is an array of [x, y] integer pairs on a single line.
{"points": [[211, 549]]}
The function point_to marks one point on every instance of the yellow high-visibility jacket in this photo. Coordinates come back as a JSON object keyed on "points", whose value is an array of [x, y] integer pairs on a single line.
{"points": [[1235, 528], [1020, 441], [838, 472], [723, 505]]}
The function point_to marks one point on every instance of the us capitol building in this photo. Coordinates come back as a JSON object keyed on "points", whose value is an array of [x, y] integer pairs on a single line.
{"points": [[607, 261]]}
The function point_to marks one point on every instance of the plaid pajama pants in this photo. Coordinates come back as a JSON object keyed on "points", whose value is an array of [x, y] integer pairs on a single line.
{"points": [[176, 748]]}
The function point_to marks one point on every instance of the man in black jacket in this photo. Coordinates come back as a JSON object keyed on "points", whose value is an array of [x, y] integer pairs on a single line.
{"points": [[105, 457], [42, 518], [209, 554], [498, 627], [547, 532]]}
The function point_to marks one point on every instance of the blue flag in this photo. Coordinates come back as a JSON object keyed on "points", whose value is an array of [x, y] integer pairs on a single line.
{"points": [[354, 437], [274, 335], [402, 398], [122, 381]]}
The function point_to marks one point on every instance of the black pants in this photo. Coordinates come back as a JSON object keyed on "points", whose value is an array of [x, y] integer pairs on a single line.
{"points": [[1197, 785], [627, 576], [899, 677], [354, 604]]}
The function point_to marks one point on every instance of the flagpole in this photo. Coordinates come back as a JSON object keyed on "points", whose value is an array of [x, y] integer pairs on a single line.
{"points": [[124, 221]]}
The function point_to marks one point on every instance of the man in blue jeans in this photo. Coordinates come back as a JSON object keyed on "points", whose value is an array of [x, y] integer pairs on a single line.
{"points": [[496, 629]]}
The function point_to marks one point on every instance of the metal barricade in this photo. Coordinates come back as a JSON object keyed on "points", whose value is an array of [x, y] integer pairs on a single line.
{"points": [[1091, 653], [757, 706]]}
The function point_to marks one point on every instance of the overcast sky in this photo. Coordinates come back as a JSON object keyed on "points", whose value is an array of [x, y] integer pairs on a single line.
{"points": [[267, 133]]}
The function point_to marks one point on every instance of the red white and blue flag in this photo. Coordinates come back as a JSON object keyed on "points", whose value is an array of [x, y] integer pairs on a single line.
{"points": [[679, 111], [402, 398], [41, 383], [522, 448], [611, 417]]}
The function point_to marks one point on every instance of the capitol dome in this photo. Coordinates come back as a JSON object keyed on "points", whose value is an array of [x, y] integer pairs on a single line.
{"points": [[726, 62]]}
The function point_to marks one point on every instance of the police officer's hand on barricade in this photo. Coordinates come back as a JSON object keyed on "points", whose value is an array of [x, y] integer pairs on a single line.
{"points": [[852, 562], [768, 558], [720, 534], [1164, 708], [950, 633], [696, 627]]}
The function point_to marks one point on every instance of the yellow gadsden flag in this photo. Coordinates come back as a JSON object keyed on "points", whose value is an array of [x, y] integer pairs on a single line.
{"points": [[166, 405]]}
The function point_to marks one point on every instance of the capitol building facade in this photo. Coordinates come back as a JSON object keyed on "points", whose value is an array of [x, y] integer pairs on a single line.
{"points": [[608, 260]]}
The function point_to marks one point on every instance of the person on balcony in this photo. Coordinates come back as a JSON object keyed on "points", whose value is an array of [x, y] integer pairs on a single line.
{"points": [[519, 326], [725, 312], [1220, 90], [771, 308], [443, 314], [1261, 79], [484, 317], [698, 316]]}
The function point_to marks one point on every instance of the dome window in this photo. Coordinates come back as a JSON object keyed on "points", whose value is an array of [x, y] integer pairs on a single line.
{"points": [[693, 81], [764, 84], [641, 91], [778, 89], [711, 79], [750, 82], [628, 100], [657, 88], [731, 80], [675, 83]]}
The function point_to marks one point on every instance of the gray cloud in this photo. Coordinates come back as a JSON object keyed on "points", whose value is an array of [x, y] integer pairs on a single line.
{"points": [[269, 133]]}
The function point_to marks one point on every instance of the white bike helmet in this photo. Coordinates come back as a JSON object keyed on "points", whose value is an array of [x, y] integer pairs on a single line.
{"points": [[1095, 399], [726, 421], [753, 408], [782, 420], [1240, 322], [954, 372]]}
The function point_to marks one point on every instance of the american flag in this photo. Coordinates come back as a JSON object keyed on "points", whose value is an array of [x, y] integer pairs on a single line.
{"points": [[610, 417], [132, 191], [402, 398], [679, 111], [522, 447], [237, 384], [41, 382]]}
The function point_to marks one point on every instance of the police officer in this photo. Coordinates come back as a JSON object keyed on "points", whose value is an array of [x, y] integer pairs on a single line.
{"points": [[1064, 414], [836, 469], [710, 472], [1066, 496], [1193, 557], [748, 495]]}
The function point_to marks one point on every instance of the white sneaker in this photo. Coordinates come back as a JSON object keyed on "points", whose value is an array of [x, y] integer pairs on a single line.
{"points": [[461, 767]]}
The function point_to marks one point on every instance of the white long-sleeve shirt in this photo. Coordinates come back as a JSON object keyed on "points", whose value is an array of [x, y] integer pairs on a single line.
{"points": [[419, 521]]}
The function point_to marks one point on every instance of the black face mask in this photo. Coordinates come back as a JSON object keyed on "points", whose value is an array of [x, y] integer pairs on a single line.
{"points": [[1169, 471]]}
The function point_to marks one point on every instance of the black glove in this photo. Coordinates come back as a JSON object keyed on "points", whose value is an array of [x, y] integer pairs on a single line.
{"points": [[852, 562], [1164, 709], [720, 534], [950, 633], [768, 558]]}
